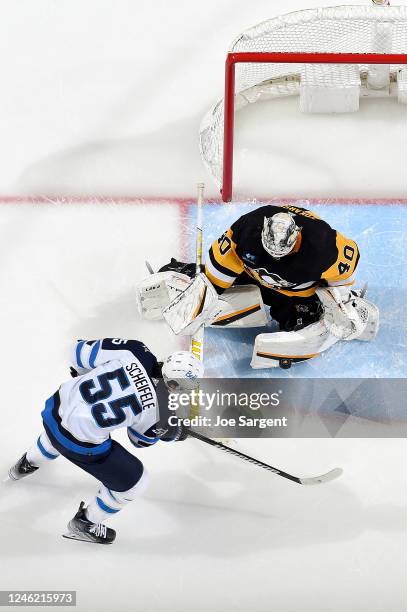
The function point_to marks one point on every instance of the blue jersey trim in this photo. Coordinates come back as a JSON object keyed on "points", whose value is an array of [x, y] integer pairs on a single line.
{"points": [[45, 452], [78, 354], [52, 424], [143, 438], [108, 509], [93, 354]]}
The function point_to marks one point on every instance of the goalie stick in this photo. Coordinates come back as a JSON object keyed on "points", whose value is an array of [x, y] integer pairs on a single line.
{"points": [[197, 338], [149, 267], [313, 480]]}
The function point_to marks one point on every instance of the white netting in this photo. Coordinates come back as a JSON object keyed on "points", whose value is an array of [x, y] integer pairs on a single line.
{"points": [[343, 29]]}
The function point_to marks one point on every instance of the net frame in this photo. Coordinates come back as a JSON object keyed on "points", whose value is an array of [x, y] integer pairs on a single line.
{"points": [[363, 51], [282, 58]]}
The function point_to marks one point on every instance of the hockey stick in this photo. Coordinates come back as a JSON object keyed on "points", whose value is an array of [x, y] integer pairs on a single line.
{"points": [[313, 480], [197, 338]]}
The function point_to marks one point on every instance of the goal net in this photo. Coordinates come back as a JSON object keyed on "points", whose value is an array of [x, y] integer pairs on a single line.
{"points": [[328, 57]]}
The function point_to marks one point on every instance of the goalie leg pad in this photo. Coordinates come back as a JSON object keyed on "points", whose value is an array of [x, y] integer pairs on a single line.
{"points": [[283, 348], [198, 305], [242, 306]]}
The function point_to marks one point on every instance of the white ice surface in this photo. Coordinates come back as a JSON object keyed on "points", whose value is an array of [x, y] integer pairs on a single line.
{"points": [[214, 534]]}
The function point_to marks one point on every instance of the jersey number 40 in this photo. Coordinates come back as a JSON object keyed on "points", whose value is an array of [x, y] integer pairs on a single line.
{"points": [[348, 253]]}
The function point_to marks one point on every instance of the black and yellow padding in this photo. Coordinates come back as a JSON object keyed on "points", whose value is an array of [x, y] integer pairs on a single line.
{"points": [[235, 316], [201, 303], [293, 358]]}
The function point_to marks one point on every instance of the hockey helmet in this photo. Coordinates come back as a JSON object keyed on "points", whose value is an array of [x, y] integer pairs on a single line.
{"points": [[279, 235], [181, 371]]}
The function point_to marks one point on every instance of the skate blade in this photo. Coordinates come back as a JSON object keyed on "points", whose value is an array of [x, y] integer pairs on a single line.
{"points": [[73, 536]]}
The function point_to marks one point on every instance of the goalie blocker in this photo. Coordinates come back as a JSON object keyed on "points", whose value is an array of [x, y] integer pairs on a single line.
{"points": [[187, 304]]}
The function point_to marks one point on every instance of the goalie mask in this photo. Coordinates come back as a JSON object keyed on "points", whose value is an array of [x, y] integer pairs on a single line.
{"points": [[181, 371], [279, 234]]}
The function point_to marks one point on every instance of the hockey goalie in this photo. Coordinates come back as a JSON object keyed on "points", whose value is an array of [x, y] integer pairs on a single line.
{"points": [[281, 256]]}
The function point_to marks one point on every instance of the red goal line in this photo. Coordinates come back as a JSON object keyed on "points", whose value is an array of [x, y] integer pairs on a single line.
{"points": [[185, 201]]}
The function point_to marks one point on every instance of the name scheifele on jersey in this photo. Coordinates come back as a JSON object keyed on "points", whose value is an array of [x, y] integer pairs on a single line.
{"points": [[115, 389], [143, 384], [321, 255]]}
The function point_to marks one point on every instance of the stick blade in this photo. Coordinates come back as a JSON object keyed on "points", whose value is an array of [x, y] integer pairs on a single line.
{"points": [[149, 267], [315, 480]]}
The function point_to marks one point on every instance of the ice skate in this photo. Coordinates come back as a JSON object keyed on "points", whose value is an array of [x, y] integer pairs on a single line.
{"points": [[80, 528], [21, 469]]}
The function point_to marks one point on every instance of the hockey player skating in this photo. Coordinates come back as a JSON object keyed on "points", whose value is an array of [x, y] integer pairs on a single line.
{"points": [[285, 257], [114, 386]]}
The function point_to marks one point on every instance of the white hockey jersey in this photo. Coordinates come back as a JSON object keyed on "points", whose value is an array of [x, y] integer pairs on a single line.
{"points": [[114, 389]]}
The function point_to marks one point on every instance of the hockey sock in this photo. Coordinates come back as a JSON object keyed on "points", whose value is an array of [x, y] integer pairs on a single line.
{"points": [[42, 451], [108, 502]]}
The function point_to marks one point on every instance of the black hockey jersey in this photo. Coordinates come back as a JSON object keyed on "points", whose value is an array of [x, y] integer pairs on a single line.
{"points": [[321, 256]]}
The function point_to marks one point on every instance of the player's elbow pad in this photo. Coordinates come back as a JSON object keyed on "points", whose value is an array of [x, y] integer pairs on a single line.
{"points": [[85, 354], [142, 440]]}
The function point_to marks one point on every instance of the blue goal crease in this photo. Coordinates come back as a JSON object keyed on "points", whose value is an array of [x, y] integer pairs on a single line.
{"points": [[379, 230]]}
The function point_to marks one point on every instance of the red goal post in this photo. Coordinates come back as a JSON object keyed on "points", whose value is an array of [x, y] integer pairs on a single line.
{"points": [[232, 59], [330, 57]]}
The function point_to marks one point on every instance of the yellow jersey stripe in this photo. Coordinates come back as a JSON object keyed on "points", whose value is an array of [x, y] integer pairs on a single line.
{"points": [[224, 253], [216, 281]]}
